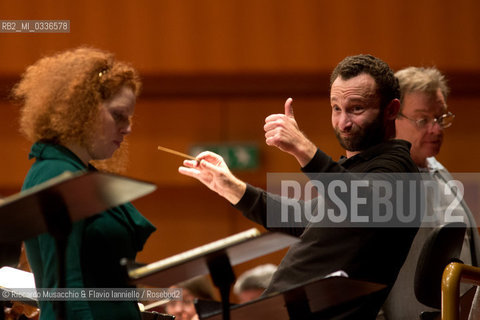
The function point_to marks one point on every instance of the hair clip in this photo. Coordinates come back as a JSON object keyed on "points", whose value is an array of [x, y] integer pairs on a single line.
{"points": [[102, 73]]}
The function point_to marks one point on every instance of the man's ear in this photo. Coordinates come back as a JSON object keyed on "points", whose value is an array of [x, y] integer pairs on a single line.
{"points": [[392, 109]]}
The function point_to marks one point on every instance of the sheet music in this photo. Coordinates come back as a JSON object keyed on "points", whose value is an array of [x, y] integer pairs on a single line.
{"points": [[16, 278]]}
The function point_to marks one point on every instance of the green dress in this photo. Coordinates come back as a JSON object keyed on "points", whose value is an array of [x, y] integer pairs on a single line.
{"points": [[94, 248]]}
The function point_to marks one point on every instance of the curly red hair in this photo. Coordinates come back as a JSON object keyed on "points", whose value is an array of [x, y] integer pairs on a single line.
{"points": [[60, 95]]}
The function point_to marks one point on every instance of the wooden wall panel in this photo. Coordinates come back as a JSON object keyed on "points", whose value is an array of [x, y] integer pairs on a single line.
{"points": [[460, 151], [174, 124], [212, 36], [14, 156]]}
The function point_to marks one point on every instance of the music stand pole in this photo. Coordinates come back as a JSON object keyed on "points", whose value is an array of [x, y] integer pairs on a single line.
{"points": [[223, 277]]}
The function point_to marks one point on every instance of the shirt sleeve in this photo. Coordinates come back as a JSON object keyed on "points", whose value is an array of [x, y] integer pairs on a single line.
{"points": [[264, 208]]}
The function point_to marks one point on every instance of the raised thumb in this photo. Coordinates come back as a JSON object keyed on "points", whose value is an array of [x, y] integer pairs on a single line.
{"points": [[289, 108]]}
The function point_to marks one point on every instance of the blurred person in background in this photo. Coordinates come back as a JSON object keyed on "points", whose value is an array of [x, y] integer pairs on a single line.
{"points": [[195, 288], [422, 120], [252, 283]]}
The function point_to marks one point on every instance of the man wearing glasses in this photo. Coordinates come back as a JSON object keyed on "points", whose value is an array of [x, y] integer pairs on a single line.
{"points": [[422, 119]]}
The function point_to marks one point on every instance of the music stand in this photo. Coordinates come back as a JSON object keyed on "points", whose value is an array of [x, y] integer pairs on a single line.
{"points": [[303, 302], [52, 206], [216, 257]]}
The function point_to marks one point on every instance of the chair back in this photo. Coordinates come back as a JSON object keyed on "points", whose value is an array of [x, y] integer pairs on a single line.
{"points": [[442, 246]]}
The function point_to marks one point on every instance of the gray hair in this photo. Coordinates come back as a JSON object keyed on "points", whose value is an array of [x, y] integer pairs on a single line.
{"points": [[256, 278], [415, 79]]}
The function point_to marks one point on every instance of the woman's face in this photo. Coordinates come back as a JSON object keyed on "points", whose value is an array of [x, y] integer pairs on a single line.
{"points": [[114, 123]]}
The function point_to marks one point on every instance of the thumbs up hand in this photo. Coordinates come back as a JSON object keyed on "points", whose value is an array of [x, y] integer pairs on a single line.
{"points": [[289, 108], [282, 131]]}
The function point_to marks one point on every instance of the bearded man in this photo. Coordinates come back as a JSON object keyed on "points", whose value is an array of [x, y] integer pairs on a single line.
{"points": [[364, 97]]}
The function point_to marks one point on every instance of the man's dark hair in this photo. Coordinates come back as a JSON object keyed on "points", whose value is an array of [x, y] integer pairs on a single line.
{"points": [[387, 83]]}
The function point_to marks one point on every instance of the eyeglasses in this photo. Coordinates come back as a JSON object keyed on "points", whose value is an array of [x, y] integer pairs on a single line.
{"points": [[444, 121]]}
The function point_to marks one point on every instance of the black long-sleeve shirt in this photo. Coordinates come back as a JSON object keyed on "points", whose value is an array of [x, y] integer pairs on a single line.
{"points": [[366, 253]]}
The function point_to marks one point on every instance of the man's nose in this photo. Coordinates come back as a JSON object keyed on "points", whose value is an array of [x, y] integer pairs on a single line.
{"points": [[435, 128], [344, 122], [126, 129]]}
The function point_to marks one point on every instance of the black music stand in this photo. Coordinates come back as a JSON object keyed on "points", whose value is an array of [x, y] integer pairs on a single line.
{"points": [[303, 302], [53, 205], [215, 258]]}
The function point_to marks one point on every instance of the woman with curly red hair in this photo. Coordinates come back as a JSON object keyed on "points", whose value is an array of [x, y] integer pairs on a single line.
{"points": [[76, 108]]}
